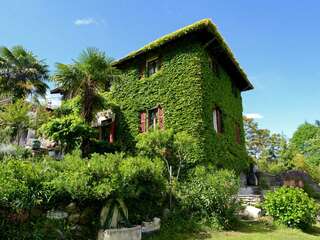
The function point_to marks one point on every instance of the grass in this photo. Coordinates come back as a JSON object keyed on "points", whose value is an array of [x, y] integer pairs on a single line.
{"points": [[247, 230]]}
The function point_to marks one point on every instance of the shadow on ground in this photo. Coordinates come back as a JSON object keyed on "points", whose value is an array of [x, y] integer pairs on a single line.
{"points": [[255, 227], [315, 231]]}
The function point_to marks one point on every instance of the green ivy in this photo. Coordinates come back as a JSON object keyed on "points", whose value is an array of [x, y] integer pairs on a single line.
{"points": [[187, 89]]}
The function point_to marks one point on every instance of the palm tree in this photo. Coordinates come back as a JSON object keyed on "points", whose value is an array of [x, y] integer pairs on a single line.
{"points": [[88, 76], [21, 73]]}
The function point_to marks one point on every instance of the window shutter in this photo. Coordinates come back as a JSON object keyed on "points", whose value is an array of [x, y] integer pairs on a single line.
{"points": [[160, 117], [142, 70], [112, 132], [219, 120], [159, 63], [143, 116], [215, 120]]}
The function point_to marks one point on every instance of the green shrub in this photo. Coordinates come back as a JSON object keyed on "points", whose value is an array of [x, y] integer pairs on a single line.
{"points": [[21, 184], [211, 196], [63, 129], [291, 206], [37, 228], [14, 151], [139, 181], [145, 187]]}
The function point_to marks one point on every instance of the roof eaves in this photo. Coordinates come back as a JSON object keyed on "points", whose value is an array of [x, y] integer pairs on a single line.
{"points": [[202, 24]]}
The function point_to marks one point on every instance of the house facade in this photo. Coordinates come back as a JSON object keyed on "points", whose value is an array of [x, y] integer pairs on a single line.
{"points": [[189, 81]]}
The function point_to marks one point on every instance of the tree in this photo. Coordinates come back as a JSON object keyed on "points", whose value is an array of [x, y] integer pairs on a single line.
{"points": [[304, 134], [269, 150], [69, 131], [261, 143], [67, 127], [15, 117], [256, 139], [22, 73], [87, 77], [173, 148]]}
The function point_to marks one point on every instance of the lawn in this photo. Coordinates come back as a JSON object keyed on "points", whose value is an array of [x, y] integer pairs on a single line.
{"points": [[246, 231]]}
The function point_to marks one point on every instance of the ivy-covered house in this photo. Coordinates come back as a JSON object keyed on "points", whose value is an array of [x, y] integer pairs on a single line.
{"points": [[190, 81]]}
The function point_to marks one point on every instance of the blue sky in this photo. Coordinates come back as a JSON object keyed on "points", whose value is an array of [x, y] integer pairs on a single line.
{"points": [[276, 42]]}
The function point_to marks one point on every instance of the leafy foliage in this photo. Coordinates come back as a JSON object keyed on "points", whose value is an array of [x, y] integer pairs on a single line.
{"points": [[69, 131], [114, 214], [211, 195], [22, 184], [187, 89], [304, 133], [268, 150], [304, 149], [292, 207], [22, 73], [175, 149], [14, 152], [26, 184], [15, 118], [90, 74]]}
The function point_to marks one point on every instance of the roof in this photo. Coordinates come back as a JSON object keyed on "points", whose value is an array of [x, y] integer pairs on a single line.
{"points": [[57, 90], [195, 28]]}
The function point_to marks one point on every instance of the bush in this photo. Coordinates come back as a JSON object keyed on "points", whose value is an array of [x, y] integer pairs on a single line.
{"points": [[291, 206], [21, 184], [145, 187], [211, 196], [14, 151], [45, 183]]}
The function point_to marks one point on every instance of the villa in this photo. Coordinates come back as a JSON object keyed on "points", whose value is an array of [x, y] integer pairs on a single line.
{"points": [[190, 81], [187, 80]]}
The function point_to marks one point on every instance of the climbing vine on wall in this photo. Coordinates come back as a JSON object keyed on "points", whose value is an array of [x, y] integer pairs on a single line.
{"points": [[187, 89]]}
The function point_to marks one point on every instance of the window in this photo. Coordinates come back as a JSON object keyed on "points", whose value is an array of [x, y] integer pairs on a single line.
{"points": [[151, 119], [238, 133], [107, 131], [153, 66], [217, 120], [213, 64], [143, 121]]}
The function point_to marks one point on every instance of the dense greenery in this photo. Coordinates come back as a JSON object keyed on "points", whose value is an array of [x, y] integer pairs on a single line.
{"points": [[187, 89], [22, 73], [268, 150], [26, 184], [176, 167], [89, 75], [211, 196], [14, 119], [292, 207], [173, 148], [273, 153], [68, 131]]}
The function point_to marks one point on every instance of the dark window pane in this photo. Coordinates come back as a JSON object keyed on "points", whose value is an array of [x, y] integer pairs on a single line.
{"points": [[153, 66]]}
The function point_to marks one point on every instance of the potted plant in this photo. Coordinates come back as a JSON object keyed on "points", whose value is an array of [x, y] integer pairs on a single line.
{"points": [[114, 222]]}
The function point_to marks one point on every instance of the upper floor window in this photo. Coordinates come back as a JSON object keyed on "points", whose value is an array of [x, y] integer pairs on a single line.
{"points": [[217, 120], [153, 66], [213, 64], [151, 119]]}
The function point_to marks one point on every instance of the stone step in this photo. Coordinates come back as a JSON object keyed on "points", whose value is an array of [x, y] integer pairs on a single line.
{"points": [[250, 200], [250, 190]]}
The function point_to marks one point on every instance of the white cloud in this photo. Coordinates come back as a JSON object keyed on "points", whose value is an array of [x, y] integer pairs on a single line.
{"points": [[84, 21], [253, 115]]}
